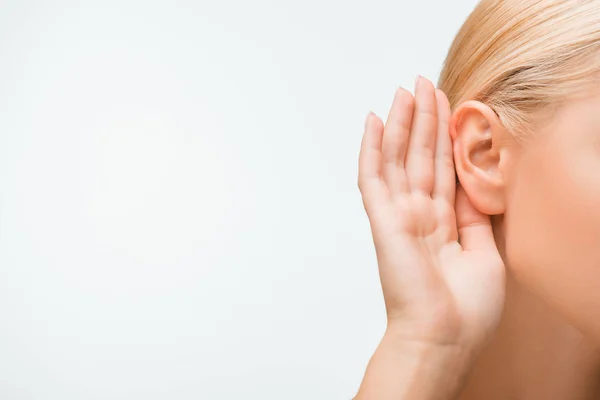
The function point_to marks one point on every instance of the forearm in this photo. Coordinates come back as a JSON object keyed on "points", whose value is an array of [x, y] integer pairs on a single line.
{"points": [[402, 370]]}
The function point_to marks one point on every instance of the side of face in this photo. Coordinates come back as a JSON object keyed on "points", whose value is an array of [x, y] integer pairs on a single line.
{"points": [[548, 190]]}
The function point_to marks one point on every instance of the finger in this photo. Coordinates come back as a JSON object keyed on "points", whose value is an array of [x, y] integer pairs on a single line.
{"points": [[421, 148], [395, 141], [474, 228], [370, 179], [444, 175]]}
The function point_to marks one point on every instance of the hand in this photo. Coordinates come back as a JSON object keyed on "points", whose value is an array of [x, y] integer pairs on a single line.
{"points": [[441, 273]]}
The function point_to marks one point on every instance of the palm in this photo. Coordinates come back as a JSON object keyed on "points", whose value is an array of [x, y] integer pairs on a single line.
{"points": [[435, 287]]}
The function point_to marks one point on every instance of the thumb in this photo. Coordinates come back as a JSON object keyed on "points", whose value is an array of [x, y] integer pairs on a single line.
{"points": [[474, 228]]}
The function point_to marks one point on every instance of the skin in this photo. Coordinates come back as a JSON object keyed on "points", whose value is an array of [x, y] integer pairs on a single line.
{"points": [[441, 273], [546, 192], [500, 308]]}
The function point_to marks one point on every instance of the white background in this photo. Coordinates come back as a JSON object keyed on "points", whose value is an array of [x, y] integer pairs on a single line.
{"points": [[179, 215]]}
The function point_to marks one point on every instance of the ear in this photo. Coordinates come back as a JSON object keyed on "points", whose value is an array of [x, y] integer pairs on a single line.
{"points": [[478, 136]]}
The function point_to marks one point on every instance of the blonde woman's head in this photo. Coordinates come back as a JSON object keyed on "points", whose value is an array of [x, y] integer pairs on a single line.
{"points": [[523, 58], [523, 81]]}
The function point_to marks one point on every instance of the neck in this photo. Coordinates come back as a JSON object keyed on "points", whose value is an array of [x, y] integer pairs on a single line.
{"points": [[536, 353]]}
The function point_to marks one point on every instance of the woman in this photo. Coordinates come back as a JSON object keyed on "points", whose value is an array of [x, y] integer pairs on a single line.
{"points": [[492, 288]]}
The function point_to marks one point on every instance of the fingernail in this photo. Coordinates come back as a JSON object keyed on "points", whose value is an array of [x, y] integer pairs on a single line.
{"points": [[367, 119], [417, 80]]}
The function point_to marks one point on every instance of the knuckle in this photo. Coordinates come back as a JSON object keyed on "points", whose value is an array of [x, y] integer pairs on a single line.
{"points": [[359, 183], [445, 161], [429, 115], [362, 183], [422, 152]]}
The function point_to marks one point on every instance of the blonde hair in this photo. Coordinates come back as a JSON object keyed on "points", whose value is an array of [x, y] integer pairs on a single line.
{"points": [[524, 58]]}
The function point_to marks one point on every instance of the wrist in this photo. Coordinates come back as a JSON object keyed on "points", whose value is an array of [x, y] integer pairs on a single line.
{"points": [[428, 346], [406, 368]]}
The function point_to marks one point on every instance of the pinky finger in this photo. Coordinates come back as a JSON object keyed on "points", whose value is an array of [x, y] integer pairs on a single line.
{"points": [[474, 228]]}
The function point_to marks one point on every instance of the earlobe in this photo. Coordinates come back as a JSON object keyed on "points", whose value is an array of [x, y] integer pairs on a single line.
{"points": [[476, 132]]}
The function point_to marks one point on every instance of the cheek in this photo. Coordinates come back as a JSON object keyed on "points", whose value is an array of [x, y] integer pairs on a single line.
{"points": [[552, 226]]}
